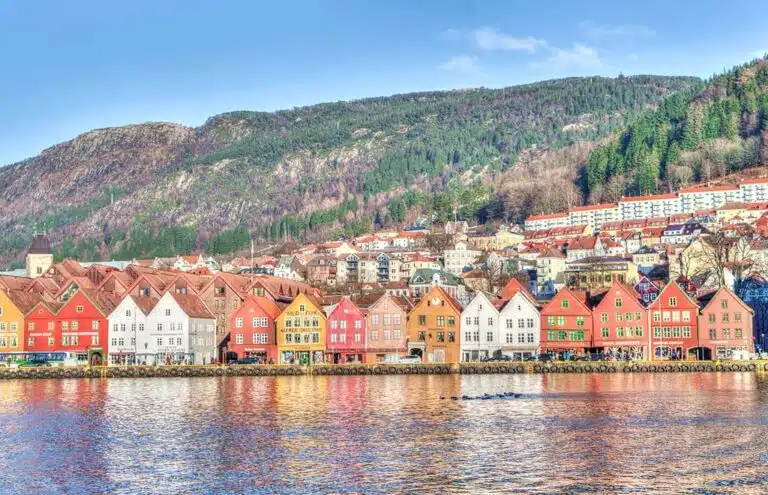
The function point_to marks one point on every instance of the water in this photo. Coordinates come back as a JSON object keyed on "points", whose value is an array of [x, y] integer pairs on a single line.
{"points": [[628, 433]]}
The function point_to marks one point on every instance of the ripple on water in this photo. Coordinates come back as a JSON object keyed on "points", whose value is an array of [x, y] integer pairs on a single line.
{"points": [[701, 433]]}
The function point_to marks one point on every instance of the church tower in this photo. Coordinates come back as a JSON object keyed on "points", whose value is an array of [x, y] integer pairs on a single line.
{"points": [[39, 256]]}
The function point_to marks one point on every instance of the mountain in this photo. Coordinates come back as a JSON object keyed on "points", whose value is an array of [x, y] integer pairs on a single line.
{"points": [[694, 136], [156, 189]]}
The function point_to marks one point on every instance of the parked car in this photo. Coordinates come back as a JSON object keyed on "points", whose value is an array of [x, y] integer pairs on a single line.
{"points": [[409, 359], [493, 359], [593, 357], [33, 363], [248, 360], [542, 358]]}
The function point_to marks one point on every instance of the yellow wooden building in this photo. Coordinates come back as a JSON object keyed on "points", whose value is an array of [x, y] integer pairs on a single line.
{"points": [[301, 332], [14, 304]]}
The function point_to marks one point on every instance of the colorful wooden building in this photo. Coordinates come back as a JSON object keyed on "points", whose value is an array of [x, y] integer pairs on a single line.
{"points": [[14, 304], [301, 332], [346, 332], [620, 323], [674, 323], [434, 325], [725, 326], [566, 324], [253, 330], [386, 321]]}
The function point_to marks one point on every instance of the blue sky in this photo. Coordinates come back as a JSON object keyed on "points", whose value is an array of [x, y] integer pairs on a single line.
{"points": [[68, 67]]}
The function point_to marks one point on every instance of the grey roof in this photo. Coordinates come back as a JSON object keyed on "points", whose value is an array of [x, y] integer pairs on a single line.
{"points": [[40, 245]]}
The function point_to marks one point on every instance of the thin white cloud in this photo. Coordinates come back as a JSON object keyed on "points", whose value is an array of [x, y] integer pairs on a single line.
{"points": [[461, 63], [451, 35], [577, 57], [598, 31], [492, 39]]}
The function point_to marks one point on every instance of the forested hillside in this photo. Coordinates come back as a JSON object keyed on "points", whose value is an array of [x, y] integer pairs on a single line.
{"points": [[694, 136], [312, 172]]}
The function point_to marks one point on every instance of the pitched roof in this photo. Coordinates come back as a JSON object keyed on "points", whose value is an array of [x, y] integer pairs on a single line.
{"points": [[651, 197], [40, 245], [192, 305], [582, 243], [105, 302], [145, 303], [11, 282], [24, 301]]}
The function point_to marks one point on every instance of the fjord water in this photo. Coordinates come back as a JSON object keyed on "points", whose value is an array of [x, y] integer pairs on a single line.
{"points": [[672, 433]]}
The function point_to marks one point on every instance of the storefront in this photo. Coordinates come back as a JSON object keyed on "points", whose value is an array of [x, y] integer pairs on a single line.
{"points": [[303, 358]]}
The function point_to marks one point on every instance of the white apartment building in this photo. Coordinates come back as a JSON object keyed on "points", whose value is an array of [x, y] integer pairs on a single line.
{"points": [[708, 198], [593, 215], [479, 329], [658, 205], [544, 222], [459, 257], [754, 190]]}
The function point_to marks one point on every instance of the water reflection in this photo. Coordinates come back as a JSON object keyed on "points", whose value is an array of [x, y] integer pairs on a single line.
{"points": [[377, 434]]}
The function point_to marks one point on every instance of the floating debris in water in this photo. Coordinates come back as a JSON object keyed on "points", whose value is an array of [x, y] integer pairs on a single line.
{"points": [[504, 395]]}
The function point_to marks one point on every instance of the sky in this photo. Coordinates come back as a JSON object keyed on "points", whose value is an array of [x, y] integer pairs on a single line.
{"points": [[68, 67]]}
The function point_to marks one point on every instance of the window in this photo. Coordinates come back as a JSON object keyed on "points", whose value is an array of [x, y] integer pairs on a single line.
{"points": [[619, 302], [739, 333], [603, 317], [676, 332], [357, 337], [441, 336], [476, 336], [65, 340], [667, 332], [50, 325], [167, 312], [638, 316], [619, 331], [133, 342], [421, 336], [675, 315], [551, 335], [75, 325], [422, 321], [451, 321], [724, 304], [712, 333], [50, 341], [159, 341], [451, 336], [302, 308], [579, 321], [65, 325], [489, 336], [342, 324], [638, 331], [114, 341], [334, 338], [726, 333], [122, 327], [530, 338], [31, 326], [657, 316], [736, 316], [510, 338], [159, 327], [550, 321], [334, 324], [561, 321], [490, 322], [441, 321], [687, 332], [121, 342], [31, 341], [358, 324], [239, 338], [628, 316], [375, 319], [477, 320], [521, 338], [141, 327], [604, 332], [239, 324], [397, 319], [711, 317], [726, 318], [673, 301], [530, 323], [288, 338], [667, 316], [397, 333], [521, 323], [79, 309], [306, 338], [619, 317], [564, 303]]}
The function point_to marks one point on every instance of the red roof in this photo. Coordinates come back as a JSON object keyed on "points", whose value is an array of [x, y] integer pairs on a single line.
{"points": [[757, 180], [599, 206], [547, 216], [703, 189], [650, 197], [193, 306]]}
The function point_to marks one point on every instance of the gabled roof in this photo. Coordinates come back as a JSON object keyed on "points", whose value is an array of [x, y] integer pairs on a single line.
{"points": [[145, 303], [104, 302], [40, 245], [707, 299], [670, 284], [584, 242], [442, 293], [11, 282], [24, 301], [80, 282], [579, 297], [192, 305]]}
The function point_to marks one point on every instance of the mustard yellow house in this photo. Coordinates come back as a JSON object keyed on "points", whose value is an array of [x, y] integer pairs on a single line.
{"points": [[14, 304], [301, 332]]}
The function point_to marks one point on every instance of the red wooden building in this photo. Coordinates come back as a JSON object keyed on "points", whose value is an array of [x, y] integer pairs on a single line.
{"points": [[725, 326], [621, 323], [253, 330], [674, 323], [566, 324], [345, 333], [78, 327], [648, 290]]}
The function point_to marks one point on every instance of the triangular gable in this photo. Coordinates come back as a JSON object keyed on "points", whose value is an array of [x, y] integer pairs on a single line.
{"points": [[564, 292], [485, 300], [732, 294], [441, 293], [683, 292]]}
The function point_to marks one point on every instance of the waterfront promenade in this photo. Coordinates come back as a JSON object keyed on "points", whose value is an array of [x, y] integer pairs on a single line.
{"points": [[607, 367]]}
